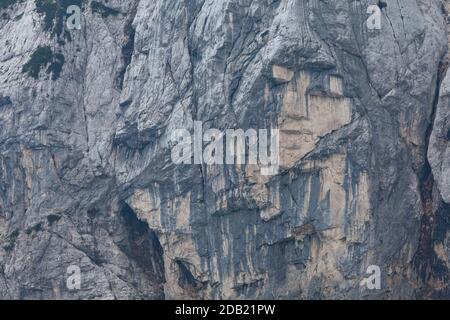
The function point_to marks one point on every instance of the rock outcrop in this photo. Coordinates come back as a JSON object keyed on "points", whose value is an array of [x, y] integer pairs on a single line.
{"points": [[86, 171]]}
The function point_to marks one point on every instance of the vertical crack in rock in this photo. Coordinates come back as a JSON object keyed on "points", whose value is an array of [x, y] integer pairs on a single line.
{"points": [[128, 47]]}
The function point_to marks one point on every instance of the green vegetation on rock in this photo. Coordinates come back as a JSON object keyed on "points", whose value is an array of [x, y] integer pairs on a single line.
{"points": [[41, 58], [6, 3], [36, 228], [52, 218], [105, 11], [47, 8], [11, 240], [54, 12], [56, 67]]}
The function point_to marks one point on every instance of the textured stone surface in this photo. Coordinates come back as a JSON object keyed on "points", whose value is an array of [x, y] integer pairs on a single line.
{"points": [[86, 176]]}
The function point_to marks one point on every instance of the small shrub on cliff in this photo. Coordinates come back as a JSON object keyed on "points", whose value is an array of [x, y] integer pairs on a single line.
{"points": [[52, 218], [105, 11], [47, 8], [6, 3], [56, 67], [36, 228], [54, 12], [11, 240], [41, 58]]}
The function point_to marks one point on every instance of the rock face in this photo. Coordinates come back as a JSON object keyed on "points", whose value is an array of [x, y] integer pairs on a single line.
{"points": [[86, 171]]}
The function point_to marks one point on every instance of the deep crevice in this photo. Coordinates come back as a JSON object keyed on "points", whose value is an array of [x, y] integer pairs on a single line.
{"points": [[142, 245], [127, 48]]}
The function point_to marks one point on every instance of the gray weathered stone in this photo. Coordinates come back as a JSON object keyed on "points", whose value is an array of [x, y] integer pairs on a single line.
{"points": [[86, 176]]}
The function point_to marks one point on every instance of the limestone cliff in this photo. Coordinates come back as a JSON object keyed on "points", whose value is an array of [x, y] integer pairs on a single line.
{"points": [[87, 178]]}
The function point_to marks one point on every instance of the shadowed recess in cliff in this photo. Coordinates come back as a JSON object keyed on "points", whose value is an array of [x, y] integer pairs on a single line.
{"points": [[186, 280], [143, 245]]}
